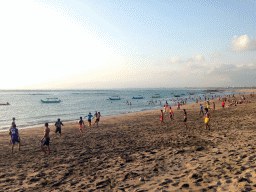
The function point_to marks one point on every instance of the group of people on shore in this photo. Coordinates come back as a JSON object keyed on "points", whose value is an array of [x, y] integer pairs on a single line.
{"points": [[45, 141], [81, 123]]}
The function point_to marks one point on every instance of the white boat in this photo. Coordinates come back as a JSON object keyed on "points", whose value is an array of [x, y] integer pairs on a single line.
{"points": [[114, 97], [51, 100]]}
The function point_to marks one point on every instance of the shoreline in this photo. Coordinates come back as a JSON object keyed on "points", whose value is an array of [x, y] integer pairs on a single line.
{"points": [[103, 117]]}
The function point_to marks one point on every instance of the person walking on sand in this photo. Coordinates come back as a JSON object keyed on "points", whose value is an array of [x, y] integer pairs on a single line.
{"points": [[171, 114], [178, 105], [58, 127], [213, 106], [81, 124], [185, 118], [46, 139], [14, 136], [206, 119], [162, 117]]}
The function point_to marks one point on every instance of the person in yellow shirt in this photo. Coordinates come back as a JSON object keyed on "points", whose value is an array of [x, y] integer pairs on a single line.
{"points": [[206, 118]]}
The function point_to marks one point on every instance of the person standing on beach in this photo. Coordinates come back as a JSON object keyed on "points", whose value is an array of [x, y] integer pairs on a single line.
{"points": [[46, 139], [98, 119], [208, 105], [162, 117], [171, 114], [213, 106], [223, 104], [206, 119], [58, 127], [185, 118], [178, 105], [96, 116], [81, 124], [201, 109], [166, 107], [14, 136]]}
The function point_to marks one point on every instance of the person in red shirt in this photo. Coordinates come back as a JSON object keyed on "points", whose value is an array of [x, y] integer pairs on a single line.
{"points": [[178, 105], [223, 104]]}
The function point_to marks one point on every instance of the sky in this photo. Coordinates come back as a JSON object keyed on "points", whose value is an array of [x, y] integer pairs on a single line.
{"points": [[113, 44]]}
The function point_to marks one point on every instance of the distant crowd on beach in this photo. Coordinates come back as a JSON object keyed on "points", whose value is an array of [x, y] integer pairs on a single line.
{"points": [[230, 99]]}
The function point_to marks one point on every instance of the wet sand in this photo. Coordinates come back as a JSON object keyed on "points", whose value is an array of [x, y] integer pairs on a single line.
{"points": [[134, 152]]}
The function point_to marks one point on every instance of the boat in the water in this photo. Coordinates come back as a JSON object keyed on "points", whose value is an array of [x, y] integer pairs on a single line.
{"points": [[114, 97], [137, 97], [156, 96], [176, 95], [5, 103], [51, 100], [191, 93]]}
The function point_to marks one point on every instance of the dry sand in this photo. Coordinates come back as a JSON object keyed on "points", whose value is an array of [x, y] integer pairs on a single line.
{"points": [[134, 153]]}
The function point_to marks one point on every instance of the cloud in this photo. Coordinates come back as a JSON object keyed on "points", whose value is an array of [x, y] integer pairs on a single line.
{"points": [[216, 55], [243, 43], [175, 59], [196, 58]]}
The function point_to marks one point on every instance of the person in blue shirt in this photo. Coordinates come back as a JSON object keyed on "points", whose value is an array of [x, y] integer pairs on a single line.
{"points": [[90, 117], [201, 109], [14, 136]]}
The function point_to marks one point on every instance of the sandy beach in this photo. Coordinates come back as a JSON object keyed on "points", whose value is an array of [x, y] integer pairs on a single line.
{"points": [[133, 152]]}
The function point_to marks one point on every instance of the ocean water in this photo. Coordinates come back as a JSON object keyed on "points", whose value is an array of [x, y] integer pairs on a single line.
{"points": [[26, 106]]}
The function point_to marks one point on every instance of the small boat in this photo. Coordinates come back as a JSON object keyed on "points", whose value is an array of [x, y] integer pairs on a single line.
{"points": [[156, 96], [191, 93], [138, 97], [176, 95], [114, 97], [51, 100], [5, 103]]}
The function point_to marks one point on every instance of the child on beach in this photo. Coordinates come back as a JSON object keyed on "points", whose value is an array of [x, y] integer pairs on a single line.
{"points": [[46, 139], [89, 119], [208, 105], [58, 127], [171, 114], [162, 117], [166, 107], [14, 136], [223, 104], [201, 109], [185, 118], [95, 116], [178, 105], [81, 124], [206, 118], [98, 119]]}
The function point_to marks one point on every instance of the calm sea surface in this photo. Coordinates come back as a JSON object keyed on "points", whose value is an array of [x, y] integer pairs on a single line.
{"points": [[28, 110]]}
